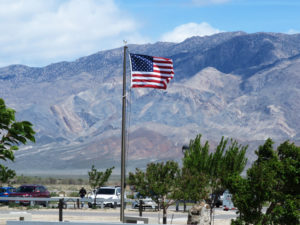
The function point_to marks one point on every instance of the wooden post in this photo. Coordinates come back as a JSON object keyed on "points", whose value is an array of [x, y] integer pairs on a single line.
{"points": [[60, 208], [141, 208]]}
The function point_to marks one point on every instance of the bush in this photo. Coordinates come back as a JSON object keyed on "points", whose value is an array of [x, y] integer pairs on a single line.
{"points": [[12, 205], [54, 194], [74, 194]]}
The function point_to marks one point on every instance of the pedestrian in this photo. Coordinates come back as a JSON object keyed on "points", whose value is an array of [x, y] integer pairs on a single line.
{"points": [[82, 193]]}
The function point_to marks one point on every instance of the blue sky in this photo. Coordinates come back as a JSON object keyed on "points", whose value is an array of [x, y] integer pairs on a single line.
{"points": [[38, 33]]}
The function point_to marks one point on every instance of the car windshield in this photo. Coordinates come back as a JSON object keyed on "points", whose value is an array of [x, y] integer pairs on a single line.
{"points": [[106, 191], [25, 189]]}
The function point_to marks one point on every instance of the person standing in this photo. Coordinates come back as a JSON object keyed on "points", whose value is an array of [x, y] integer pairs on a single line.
{"points": [[82, 193]]}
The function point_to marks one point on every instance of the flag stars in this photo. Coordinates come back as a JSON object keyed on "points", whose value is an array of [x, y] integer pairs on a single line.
{"points": [[141, 62]]}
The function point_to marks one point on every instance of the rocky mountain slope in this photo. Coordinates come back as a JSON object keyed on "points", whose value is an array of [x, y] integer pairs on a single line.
{"points": [[237, 85]]}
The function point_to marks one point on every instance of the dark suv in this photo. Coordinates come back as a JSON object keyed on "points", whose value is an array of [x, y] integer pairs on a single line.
{"points": [[35, 191]]}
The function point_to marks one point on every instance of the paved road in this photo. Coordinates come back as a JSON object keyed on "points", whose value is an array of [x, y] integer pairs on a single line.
{"points": [[219, 213]]}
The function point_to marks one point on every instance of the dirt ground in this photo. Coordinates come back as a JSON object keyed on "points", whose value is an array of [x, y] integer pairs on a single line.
{"points": [[83, 215]]}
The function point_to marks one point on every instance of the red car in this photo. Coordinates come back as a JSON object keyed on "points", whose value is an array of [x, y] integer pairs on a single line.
{"points": [[35, 191]]}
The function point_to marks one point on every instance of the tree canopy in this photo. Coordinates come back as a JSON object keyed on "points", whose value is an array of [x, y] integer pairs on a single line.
{"points": [[212, 167], [6, 174], [98, 178], [271, 182], [205, 172], [158, 182], [12, 134]]}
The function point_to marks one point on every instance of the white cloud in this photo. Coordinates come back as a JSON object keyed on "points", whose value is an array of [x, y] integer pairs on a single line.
{"points": [[292, 31], [37, 33], [209, 2], [185, 31]]}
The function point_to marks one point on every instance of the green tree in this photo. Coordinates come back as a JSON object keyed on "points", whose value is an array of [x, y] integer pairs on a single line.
{"points": [[194, 177], [12, 134], [98, 178], [6, 175], [206, 172], [272, 181], [158, 182]]}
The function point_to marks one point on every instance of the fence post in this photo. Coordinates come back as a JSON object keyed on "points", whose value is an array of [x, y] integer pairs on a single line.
{"points": [[60, 207], [78, 206], [141, 208]]}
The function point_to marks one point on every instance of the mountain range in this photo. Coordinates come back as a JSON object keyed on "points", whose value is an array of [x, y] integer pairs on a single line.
{"points": [[233, 84]]}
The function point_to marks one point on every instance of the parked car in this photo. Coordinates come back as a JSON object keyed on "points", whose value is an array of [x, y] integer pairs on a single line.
{"points": [[5, 192], [146, 203], [110, 194], [35, 191]]}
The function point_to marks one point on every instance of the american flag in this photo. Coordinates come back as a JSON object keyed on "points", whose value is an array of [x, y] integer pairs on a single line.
{"points": [[150, 71]]}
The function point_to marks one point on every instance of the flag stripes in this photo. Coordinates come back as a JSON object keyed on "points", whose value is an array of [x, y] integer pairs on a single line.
{"points": [[150, 71]]}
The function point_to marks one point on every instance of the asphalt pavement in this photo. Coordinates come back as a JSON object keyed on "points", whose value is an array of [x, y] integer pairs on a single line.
{"points": [[172, 213]]}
